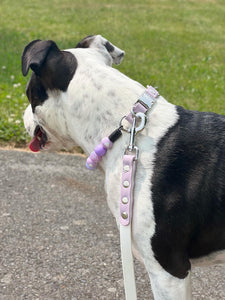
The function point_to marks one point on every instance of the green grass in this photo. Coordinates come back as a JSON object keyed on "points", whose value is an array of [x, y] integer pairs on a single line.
{"points": [[177, 46]]}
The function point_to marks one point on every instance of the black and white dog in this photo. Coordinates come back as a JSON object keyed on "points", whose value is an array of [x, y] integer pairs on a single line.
{"points": [[77, 98]]}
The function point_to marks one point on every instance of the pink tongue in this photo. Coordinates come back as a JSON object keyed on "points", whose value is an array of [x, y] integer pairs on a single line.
{"points": [[34, 144]]}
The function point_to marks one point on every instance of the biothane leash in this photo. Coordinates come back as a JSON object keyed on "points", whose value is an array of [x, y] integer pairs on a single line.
{"points": [[138, 115]]}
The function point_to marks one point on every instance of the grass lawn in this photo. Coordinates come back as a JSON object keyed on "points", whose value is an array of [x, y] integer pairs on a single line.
{"points": [[178, 46]]}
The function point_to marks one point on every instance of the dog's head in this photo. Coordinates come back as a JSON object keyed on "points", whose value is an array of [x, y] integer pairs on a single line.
{"points": [[113, 53], [52, 72]]}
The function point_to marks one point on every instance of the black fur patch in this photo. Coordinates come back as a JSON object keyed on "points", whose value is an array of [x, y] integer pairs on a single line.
{"points": [[52, 69], [36, 92], [109, 47], [188, 191], [85, 43]]}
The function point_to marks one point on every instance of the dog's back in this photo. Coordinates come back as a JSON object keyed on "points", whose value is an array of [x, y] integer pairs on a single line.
{"points": [[188, 190]]}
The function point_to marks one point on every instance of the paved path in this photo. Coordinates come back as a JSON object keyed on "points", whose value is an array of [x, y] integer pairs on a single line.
{"points": [[58, 240]]}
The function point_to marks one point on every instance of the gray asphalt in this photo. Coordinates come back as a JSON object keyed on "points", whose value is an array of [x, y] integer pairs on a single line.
{"points": [[58, 239]]}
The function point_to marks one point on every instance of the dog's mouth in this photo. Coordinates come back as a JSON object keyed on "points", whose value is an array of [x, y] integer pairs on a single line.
{"points": [[39, 140]]}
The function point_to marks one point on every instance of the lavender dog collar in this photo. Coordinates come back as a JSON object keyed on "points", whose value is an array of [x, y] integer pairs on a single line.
{"points": [[144, 103]]}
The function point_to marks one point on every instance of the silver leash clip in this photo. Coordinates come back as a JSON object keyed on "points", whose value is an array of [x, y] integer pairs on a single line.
{"points": [[132, 148], [132, 136], [141, 118]]}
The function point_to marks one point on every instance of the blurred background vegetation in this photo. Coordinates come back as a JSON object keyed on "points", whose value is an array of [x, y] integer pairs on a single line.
{"points": [[178, 46]]}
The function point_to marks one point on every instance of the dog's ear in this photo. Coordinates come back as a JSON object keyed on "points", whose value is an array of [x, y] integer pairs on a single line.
{"points": [[52, 69], [35, 54], [86, 42]]}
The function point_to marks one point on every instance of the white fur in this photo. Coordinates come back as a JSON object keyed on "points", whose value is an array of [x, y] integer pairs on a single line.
{"points": [[29, 120], [97, 98]]}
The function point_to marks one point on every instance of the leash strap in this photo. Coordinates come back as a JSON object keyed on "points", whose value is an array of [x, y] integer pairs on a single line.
{"points": [[126, 207], [138, 113]]}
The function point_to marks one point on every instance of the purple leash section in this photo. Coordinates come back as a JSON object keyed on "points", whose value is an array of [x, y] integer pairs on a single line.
{"points": [[137, 115], [127, 187], [126, 208]]}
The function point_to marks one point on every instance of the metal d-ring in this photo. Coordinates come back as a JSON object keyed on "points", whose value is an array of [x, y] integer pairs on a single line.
{"points": [[138, 115], [121, 125]]}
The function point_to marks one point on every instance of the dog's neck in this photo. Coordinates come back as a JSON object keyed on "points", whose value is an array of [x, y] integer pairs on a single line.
{"points": [[103, 96]]}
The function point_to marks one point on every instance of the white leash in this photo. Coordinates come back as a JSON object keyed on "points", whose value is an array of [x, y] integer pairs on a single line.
{"points": [[127, 262]]}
